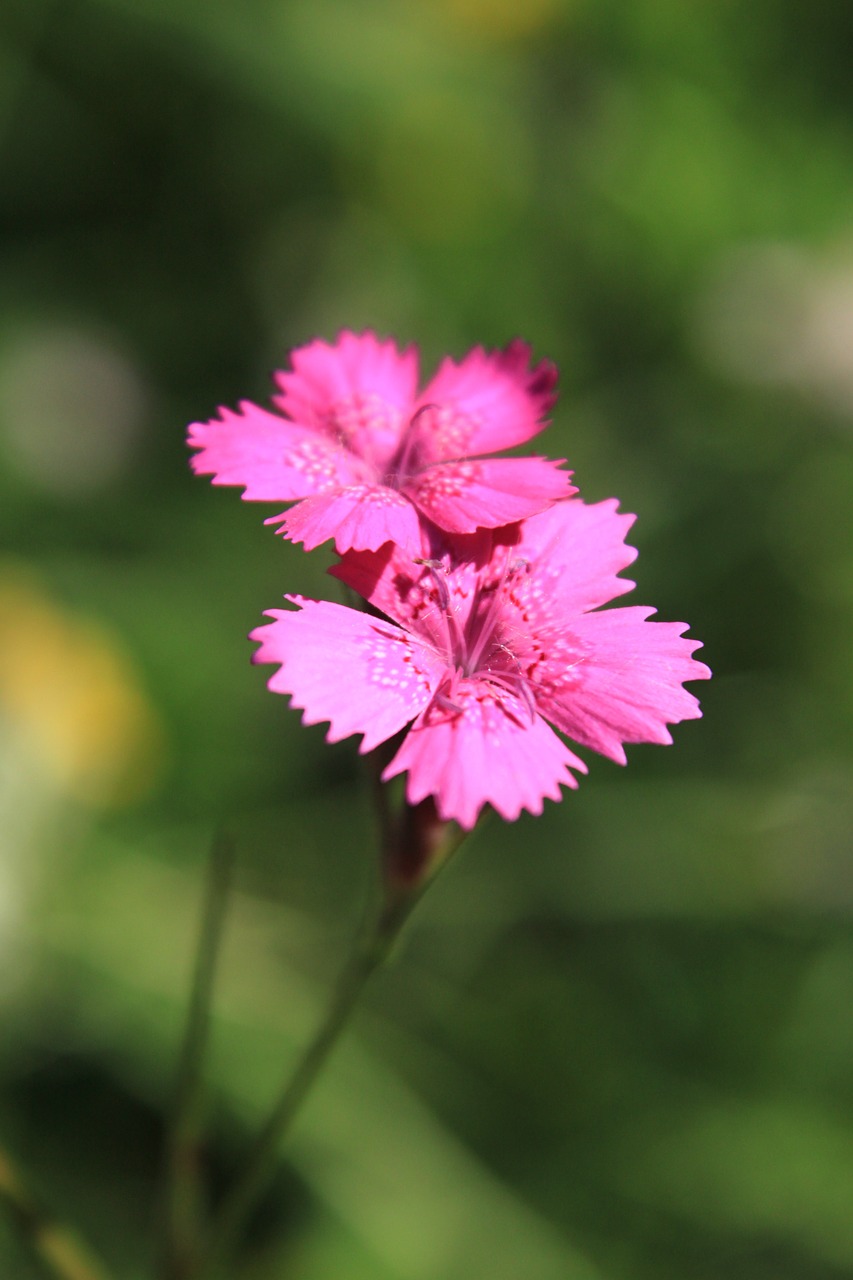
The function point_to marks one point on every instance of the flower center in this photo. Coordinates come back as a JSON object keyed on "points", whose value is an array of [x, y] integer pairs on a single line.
{"points": [[367, 426], [435, 433], [486, 615], [474, 647]]}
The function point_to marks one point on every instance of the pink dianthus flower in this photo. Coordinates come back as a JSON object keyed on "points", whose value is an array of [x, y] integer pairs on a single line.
{"points": [[363, 454], [482, 642]]}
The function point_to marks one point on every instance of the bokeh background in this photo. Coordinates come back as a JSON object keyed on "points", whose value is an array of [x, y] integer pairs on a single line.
{"points": [[617, 1043]]}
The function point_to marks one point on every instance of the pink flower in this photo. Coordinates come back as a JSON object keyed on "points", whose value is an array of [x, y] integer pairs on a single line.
{"points": [[366, 455], [481, 643]]}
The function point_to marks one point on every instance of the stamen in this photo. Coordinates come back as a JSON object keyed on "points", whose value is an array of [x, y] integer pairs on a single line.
{"points": [[517, 686], [436, 571], [446, 705], [441, 699], [453, 636]]}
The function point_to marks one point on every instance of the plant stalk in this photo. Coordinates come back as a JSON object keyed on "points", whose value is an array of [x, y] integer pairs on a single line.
{"points": [[63, 1255], [185, 1209]]}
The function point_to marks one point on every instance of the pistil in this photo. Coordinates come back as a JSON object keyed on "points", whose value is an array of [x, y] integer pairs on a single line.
{"points": [[401, 464]]}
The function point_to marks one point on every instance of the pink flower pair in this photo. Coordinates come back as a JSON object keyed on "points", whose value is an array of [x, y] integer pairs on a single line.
{"points": [[487, 575]]}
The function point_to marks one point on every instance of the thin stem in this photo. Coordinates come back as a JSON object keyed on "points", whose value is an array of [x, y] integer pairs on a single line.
{"points": [[415, 844], [369, 953], [58, 1248], [184, 1207]]}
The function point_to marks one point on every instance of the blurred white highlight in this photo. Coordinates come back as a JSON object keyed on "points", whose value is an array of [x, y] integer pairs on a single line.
{"points": [[71, 407]]}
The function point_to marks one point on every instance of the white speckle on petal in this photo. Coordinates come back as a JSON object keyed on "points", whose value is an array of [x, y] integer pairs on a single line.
{"points": [[445, 431], [377, 496], [439, 483], [402, 670], [314, 460]]}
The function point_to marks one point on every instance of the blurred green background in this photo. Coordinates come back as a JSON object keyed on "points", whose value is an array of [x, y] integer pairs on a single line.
{"points": [[617, 1043]]}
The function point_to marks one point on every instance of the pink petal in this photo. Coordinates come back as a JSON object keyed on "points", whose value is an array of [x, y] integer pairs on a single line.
{"points": [[625, 682], [360, 673], [574, 551], [361, 517], [275, 460], [487, 752], [360, 389], [487, 493], [490, 401], [405, 588]]}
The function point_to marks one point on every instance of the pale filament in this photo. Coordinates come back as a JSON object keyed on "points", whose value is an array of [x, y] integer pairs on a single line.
{"points": [[453, 633]]}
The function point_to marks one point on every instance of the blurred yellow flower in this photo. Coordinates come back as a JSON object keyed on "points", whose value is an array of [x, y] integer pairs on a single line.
{"points": [[70, 696], [501, 19]]}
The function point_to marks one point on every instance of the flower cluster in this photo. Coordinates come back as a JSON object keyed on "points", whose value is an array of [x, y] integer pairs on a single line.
{"points": [[483, 577]]}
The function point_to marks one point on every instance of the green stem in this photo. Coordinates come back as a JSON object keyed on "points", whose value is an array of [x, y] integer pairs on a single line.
{"points": [[58, 1248], [415, 844], [369, 953], [184, 1206]]}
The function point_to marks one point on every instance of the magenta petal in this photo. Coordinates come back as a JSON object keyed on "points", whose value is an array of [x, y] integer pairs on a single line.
{"points": [[488, 402], [362, 517], [402, 587], [358, 369], [487, 493], [275, 460], [575, 552], [361, 674], [487, 751], [627, 685]]}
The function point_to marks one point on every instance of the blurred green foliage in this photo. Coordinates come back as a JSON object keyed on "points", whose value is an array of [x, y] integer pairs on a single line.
{"points": [[617, 1043]]}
